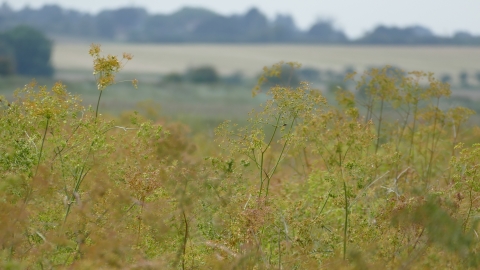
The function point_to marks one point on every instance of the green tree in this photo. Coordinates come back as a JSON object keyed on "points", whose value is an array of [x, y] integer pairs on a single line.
{"points": [[323, 31], [204, 74], [32, 51], [446, 78], [7, 59]]}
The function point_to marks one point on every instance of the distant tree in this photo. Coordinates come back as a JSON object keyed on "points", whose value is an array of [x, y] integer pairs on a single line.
{"points": [[202, 25], [254, 24], [32, 51], [463, 76], [123, 23], [446, 78], [220, 29], [465, 38], [396, 35], [129, 18], [7, 59], [50, 18], [7, 66], [183, 25], [187, 24], [250, 27], [235, 78], [191, 16], [286, 22], [204, 74], [159, 29], [462, 35], [105, 25], [283, 29], [324, 31], [7, 16]]}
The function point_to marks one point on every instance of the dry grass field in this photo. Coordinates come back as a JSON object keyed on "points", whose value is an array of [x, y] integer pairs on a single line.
{"points": [[249, 59]]}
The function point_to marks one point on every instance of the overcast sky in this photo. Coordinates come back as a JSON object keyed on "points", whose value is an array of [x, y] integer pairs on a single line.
{"points": [[355, 17]]}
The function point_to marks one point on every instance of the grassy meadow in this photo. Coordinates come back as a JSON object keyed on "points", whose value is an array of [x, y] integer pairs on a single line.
{"points": [[381, 173]]}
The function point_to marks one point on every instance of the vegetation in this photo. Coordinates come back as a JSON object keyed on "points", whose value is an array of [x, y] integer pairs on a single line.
{"points": [[384, 178], [205, 26], [156, 59], [25, 51], [204, 74]]}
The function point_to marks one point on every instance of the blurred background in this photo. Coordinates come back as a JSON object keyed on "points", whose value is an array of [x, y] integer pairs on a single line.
{"points": [[197, 61]]}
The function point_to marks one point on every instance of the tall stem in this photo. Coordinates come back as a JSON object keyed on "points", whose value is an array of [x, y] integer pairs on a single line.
{"points": [[98, 104], [379, 126], [411, 152], [43, 142], [262, 154], [465, 223], [139, 231], [432, 150], [184, 248], [269, 176], [261, 175], [345, 226]]}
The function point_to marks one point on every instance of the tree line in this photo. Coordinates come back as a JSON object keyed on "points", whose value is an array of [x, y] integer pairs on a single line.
{"points": [[134, 24]]}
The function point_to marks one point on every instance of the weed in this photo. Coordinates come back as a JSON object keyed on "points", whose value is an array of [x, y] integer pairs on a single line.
{"points": [[383, 178]]}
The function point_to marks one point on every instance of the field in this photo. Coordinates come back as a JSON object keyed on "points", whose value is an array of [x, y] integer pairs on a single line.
{"points": [[208, 105], [250, 59], [383, 177], [73, 65]]}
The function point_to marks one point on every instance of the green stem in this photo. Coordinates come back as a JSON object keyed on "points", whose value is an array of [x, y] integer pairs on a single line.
{"points": [[98, 103], [262, 154], [280, 156], [414, 125], [279, 251], [345, 225], [184, 251], [402, 129], [79, 180], [142, 201], [29, 189], [465, 223], [261, 176], [432, 150], [346, 221], [325, 203], [379, 126], [43, 142]]}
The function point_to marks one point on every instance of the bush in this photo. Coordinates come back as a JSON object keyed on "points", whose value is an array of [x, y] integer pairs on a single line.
{"points": [[173, 78], [205, 74], [31, 49], [7, 59], [235, 78]]}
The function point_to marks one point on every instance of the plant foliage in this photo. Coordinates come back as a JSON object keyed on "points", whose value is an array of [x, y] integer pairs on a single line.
{"points": [[383, 178]]}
